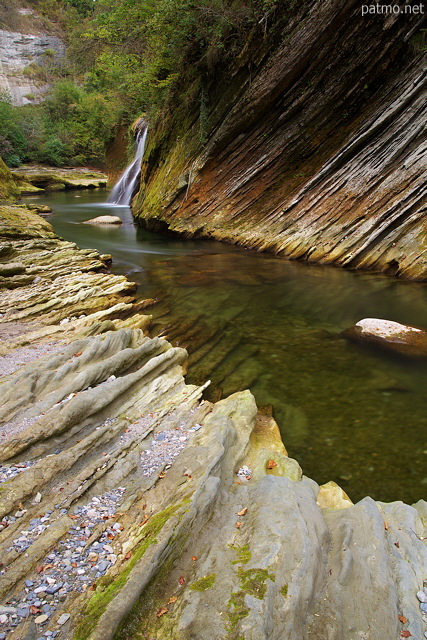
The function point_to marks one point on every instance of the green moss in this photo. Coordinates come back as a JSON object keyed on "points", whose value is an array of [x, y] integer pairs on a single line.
{"points": [[204, 583], [238, 610], [110, 585], [253, 581], [284, 590], [243, 554]]}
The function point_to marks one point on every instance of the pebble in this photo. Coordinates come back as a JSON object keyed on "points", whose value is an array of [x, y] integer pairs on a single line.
{"points": [[41, 619], [63, 619], [244, 472], [423, 607], [7, 610], [421, 596]]}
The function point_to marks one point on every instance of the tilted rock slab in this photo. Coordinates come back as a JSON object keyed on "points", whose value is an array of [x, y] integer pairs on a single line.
{"points": [[301, 158], [197, 548]]}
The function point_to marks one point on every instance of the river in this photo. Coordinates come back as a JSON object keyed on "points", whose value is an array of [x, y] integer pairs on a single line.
{"points": [[347, 413]]}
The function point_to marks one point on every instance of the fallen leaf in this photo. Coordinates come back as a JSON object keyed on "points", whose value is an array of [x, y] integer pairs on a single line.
{"points": [[47, 566], [402, 619], [79, 353], [406, 634], [181, 580], [161, 612], [271, 464], [40, 568], [74, 517], [194, 558], [242, 512], [128, 555], [21, 506], [238, 525], [34, 610], [385, 525], [172, 600], [127, 430], [144, 522], [161, 475], [110, 536], [396, 544]]}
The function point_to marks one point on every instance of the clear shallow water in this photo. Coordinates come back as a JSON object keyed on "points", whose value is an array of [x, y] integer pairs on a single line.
{"points": [[347, 413]]}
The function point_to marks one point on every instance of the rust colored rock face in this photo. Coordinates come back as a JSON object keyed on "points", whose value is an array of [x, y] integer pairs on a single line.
{"points": [[314, 149], [393, 336]]}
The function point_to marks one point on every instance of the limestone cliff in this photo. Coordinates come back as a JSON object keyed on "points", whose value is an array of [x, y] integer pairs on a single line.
{"points": [[315, 138], [30, 51]]}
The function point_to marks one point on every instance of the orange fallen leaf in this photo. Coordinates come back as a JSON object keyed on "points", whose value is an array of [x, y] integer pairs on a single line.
{"points": [[271, 464], [79, 353], [127, 430], [161, 612], [144, 522], [161, 475], [172, 600], [402, 619], [40, 568], [47, 566], [385, 525], [110, 536], [181, 580], [242, 512], [128, 555], [406, 634], [238, 525], [194, 558], [34, 610]]}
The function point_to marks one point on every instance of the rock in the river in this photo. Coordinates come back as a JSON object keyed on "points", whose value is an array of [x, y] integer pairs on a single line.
{"points": [[404, 339], [104, 220]]}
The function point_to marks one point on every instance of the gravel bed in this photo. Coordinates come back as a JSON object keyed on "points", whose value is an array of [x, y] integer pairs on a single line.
{"points": [[10, 362], [71, 567]]}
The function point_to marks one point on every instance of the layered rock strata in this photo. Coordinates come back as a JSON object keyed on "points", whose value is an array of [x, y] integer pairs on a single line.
{"points": [[38, 178], [130, 507], [315, 145]]}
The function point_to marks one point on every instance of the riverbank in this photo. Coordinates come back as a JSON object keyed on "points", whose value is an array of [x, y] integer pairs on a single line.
{"points": [[130, 506]]}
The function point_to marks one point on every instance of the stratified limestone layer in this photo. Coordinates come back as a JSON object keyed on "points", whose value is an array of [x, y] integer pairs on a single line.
{"points": [[315, 145], [33, 178], [99, 539]]}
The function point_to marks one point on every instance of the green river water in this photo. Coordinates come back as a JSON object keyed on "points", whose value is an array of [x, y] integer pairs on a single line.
{"points": [[347, 413]]}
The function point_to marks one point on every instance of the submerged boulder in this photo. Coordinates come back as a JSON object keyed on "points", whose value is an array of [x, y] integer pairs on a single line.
{"points": [[404, 339], [104, 220]]}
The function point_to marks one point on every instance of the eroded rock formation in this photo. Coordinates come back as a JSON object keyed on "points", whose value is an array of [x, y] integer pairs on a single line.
{"points": [[130, 507], [315, 144]]}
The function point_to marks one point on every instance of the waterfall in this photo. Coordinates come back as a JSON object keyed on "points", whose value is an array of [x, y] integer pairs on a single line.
{"points": [[123, 191]]}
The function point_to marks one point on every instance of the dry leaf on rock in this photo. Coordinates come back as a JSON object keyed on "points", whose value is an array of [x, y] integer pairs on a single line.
{"points": [[181, 580], [242, 512], [271, 464], [238, 525], [161, 612], [402, 619], [172, 600]]}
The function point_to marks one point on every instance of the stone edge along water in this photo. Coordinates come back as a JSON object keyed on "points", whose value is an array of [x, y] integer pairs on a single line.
{"points": [[129, 506]]}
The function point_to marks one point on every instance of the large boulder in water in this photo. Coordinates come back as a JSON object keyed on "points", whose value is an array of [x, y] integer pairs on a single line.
{"points": [[404, 339], [104, 220]]}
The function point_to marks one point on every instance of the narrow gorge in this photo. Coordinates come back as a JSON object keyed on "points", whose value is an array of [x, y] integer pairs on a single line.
{"points": [[156, 383]]}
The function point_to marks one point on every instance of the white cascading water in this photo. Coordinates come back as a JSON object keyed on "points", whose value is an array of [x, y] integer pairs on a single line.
{"points": [[123, 191]]}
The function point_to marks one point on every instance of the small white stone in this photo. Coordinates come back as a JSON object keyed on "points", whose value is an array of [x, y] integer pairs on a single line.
{"points": [[108, 548], [38, 497], [63, 619], [40, 619], [422, 596]]}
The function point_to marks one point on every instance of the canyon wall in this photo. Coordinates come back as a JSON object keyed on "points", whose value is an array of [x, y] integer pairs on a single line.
{"points": [[310, 144]]}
